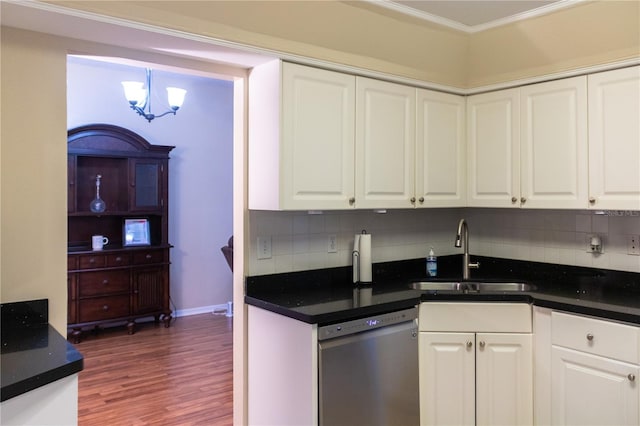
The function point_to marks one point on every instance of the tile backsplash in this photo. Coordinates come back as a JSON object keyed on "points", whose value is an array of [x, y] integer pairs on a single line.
{"points": [[300, 240]]}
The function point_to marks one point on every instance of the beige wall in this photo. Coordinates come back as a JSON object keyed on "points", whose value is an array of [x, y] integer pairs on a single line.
{"points": [[590, 33], [364, 35], [33, 141]]}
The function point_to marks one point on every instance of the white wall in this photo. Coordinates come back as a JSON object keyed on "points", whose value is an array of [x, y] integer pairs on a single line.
{"points": [[299, 240], [201, 174]]}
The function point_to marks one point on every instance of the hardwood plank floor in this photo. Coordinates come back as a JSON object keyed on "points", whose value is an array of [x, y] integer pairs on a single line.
{"points": [[180, 375]]}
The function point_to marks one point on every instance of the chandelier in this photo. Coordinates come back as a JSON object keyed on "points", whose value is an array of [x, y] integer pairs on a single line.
{"points": [[139, 98]]}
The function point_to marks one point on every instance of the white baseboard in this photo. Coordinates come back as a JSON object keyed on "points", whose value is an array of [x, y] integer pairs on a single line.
{"points": [[222, 309]]}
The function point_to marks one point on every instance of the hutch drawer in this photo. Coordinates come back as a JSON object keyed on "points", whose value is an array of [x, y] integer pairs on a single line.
{"points": [[148, 256], [92, 261], [103, 282], [120, 259], [103, 308]]}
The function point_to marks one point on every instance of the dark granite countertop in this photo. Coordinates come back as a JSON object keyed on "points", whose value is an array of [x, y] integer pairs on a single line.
{"points": [[327, 296], [33, 353]]}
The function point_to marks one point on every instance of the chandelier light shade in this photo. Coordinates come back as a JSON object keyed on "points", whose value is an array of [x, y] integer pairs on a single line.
{"points": [[139, 98]]}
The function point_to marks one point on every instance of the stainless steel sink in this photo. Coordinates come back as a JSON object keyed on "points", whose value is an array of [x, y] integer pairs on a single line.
{"points": [[471, 286]]}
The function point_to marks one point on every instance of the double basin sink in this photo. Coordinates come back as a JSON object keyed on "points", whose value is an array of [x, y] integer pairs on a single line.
{"points": [[472, 286]]}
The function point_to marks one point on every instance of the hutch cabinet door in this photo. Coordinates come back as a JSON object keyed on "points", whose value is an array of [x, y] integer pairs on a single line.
{"points": [[148, 191], [71, 187], [149, 289]]}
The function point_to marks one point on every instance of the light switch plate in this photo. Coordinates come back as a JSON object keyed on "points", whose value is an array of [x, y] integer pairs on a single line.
{"points": [[264, 247], [332, 244]]}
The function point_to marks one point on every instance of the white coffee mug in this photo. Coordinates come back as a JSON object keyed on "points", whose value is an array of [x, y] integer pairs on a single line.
{"points": [[99, 241]]}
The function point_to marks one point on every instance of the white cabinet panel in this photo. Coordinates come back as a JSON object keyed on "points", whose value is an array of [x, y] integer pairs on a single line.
{"points": [[301, 138], [554, 144], [592, 390], [447, 378], [440, 150], [385, 140], [504, 379], [469, 378], [493, 135], [614, 139], [318, 138]]}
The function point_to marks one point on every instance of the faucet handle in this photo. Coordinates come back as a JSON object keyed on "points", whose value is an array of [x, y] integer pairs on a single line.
{"points": [[474, 265]]}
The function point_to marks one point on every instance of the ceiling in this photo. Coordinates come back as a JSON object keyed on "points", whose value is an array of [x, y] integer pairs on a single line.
{"points": [[473, 15]]}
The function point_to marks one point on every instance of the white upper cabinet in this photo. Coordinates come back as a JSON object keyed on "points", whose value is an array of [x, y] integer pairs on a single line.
{"points": [[301, 133], [385, 141], [493, 149], [440, 150], [553, 144], [614, 139], [527, 146]]}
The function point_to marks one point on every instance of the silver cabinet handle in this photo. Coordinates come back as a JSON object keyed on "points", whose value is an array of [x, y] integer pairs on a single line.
{"points": [[590, 337], [469, 343], [631, 377], [482, 343]]}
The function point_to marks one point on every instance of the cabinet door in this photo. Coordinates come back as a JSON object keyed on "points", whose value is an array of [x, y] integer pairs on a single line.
{"points": [[493, 149], [614, 139], [150, 289], [148, 189], [504, 379], [385, 144], [553, 138], [318, 109], [447, 378], [592, 390], [440, 150]]}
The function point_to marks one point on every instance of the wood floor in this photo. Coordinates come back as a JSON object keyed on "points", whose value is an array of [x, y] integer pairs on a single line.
{"points": [[180, 375]]}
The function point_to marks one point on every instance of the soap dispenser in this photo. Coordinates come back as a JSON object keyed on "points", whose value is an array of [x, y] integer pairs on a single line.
{"points": [[432, 264]]}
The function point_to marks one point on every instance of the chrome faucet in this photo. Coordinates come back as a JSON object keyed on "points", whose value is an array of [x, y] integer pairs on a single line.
{"points": [[463, 234]]}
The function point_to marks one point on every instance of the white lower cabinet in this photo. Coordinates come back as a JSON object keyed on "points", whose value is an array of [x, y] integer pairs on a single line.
{"points": [[474, 370], [594, 371], [592, 390]]}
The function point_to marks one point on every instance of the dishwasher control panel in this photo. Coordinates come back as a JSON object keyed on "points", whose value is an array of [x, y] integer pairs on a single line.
{"points": [[369, 323]]}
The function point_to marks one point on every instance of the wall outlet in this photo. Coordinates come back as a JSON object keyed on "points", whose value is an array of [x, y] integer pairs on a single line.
{"points": [[264, 247], [332, 244], [633, 245]]}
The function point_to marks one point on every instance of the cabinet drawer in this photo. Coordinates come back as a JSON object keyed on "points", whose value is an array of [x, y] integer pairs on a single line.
{"points": [[121, 259], [103, 308], [594, 336], [103, 282], [151, 256], [92, 261]]}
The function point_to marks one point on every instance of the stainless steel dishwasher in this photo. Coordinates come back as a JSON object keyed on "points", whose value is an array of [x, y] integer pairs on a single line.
{"points": [[368, 371]]}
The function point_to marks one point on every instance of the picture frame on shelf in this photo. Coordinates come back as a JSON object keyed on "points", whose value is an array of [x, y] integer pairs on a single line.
{"points": [[135, 232]]}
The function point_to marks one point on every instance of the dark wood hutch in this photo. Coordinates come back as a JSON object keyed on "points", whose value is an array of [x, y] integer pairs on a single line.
{"points": [[122, 282]]}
